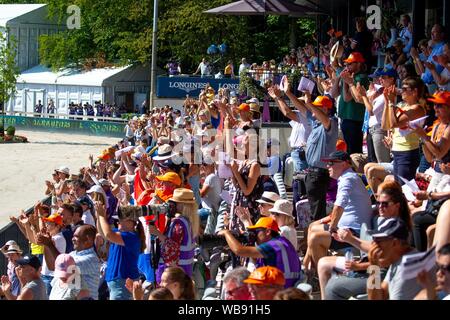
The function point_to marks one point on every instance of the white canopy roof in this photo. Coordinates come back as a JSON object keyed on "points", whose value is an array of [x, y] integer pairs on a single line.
{"points": [[12, 11], [43, 75]]}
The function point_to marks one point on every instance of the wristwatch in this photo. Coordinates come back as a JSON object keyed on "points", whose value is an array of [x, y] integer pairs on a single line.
{"points": [[430, 196], [332, 230]]}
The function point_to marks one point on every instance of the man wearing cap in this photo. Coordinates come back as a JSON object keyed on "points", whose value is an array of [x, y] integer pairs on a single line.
{"points": [[375, 103], [53, 242], [320, 143], [271, 249], [169, 182], [301, 127], [13, 253], [245, 115], [351, 209], [265, 282], [28, 272], [390, 244], [351, 109]]}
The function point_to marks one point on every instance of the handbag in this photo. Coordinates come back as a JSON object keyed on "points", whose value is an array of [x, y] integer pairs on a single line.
{"points": [[433, 206]]}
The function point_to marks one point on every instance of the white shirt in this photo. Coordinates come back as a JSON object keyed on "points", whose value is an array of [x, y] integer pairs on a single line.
{"points": [[243, 67], [88, 218], [300, 131], [445, 74], [378, 107], [60, 244], [212, 198], [291, 234]]}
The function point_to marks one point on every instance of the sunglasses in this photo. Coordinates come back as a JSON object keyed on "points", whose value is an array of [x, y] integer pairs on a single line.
{"points": [[442, 268], [333, 163], [233, 292], [407, 89], [385, 204]]}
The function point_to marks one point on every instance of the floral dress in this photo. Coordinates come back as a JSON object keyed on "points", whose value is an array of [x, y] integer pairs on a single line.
{"points": [[247, 201]]}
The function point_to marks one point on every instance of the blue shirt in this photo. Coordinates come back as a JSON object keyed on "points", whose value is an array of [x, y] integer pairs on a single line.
{"points": [[438, 50], [89, 264], [122, 260], [321, 143], [354, 198], [68, 234]]}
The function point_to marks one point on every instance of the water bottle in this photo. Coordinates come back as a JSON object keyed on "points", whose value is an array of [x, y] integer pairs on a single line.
{"points": [[348, 258]]}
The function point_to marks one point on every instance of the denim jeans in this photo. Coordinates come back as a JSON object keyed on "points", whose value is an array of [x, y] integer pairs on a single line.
{"points": [[194, 182], [299, 158], [47, 280], [118, 291], [405, 164], [382, 153]]}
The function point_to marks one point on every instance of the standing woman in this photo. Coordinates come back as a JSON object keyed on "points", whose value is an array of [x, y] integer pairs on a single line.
{"points": [[178, 241], [405, 147], [126, 243], [247, 177]]}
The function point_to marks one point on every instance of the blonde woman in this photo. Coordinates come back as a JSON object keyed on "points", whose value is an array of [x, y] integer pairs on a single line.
{"points": [[282, 214], [177, 242]]}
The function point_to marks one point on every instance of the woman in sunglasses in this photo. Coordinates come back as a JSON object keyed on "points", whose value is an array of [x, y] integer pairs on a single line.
{"points": [[406, 143], [437, 151], [391, 204]]}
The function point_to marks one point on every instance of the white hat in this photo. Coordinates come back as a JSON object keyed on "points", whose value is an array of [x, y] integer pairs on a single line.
{"points": [[164, 152], [104, 182], [11, 247], [283, 206], [98, 189], [253, 100], [269, 197], [63, 169]]}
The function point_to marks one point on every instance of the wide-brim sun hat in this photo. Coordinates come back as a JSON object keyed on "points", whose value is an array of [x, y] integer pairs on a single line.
{"points": [[183, 195]]}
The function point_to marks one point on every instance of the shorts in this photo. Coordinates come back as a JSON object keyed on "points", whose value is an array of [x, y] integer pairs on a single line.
{"points": [[337, 245]]}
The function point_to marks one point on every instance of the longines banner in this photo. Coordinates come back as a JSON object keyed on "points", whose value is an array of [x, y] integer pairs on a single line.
{"points": [[179, 87], [99, 128]]}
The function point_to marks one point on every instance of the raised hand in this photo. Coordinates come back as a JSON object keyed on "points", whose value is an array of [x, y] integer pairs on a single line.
{"points": [[44, 239], [6, 284], [100, 209], [286, 85]]}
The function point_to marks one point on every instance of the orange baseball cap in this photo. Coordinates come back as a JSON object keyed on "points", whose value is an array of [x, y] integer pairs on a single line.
{"points": [[55, 218], [341, 145], [266, 275], [355, 57], [440, 97], [170, 177], [323, 101], [266, 223], [244, 107]]}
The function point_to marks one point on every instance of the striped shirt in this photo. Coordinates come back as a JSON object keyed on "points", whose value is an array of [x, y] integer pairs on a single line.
{"points": [[89, 264]]}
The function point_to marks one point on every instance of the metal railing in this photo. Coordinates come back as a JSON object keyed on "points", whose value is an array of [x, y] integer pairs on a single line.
{"points": [[64, 116], [11, 232]]}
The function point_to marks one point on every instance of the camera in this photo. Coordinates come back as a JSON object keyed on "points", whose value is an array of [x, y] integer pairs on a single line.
{"points": [[209, 241], [155, 210]]}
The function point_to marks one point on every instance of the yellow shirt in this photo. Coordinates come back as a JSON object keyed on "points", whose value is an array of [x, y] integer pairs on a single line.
{"points": [[408, 142], [36, 249]]}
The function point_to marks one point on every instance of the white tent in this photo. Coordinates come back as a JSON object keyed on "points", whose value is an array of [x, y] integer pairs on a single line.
{"points": [[127, 84]]}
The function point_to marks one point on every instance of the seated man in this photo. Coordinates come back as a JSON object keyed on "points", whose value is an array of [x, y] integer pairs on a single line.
{"points": [[234, 287], [351, 209], [265, 282], [271, 248], [390, 244], [439, 290]]}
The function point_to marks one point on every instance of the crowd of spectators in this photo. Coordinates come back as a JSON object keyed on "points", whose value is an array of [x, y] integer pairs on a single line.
{"points": [[194, 194]]}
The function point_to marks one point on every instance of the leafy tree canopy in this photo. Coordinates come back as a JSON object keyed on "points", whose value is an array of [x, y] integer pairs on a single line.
{"points": [[120, 32]]}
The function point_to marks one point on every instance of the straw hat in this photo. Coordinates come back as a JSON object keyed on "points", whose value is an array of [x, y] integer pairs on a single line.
{"points": [[183, 195], [11, 247], [283, 206]]}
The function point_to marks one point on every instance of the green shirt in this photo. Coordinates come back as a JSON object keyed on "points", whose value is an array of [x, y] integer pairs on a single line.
{"points": [[352, 110]]}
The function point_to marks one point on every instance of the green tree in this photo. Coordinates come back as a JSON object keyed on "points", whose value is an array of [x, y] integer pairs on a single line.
{"points": [[8, 71]]}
